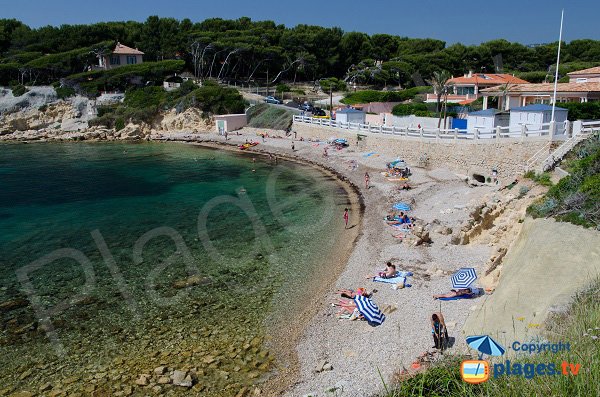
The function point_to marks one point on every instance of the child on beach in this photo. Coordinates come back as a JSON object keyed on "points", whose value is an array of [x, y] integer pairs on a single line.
{"points": [[346, 216]]}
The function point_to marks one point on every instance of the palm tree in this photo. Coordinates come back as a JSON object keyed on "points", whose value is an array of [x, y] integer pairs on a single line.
{"points": [[505, 89], [439, 82]]}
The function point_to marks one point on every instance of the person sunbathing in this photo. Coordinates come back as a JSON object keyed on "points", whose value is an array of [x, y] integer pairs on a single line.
{"points": [[405, 186], [350, 294], [455, 292], [389, 272], [395, 219]]}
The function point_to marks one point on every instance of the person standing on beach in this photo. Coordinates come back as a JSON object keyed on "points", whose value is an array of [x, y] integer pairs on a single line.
{"points": [[367, 179], [293, 147], [346, 217]]}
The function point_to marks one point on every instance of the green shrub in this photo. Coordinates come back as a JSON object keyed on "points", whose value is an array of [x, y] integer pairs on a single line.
{"points": [[582, 111], [523, 190], [543, 179], [405, 109], [119, 123], [43, 108], [18, 89], [64, 92], [576, 197]]}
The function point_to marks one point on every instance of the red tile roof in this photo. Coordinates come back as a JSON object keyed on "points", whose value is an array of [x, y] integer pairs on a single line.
{"points": [[124, 50], [549, 87], [489, 79], [594, 70]]}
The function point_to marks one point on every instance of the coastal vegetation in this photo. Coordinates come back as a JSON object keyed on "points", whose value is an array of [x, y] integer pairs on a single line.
{"points": [[367, 96], [144, 104], [255, 52], [578, 326], [576, 197]]}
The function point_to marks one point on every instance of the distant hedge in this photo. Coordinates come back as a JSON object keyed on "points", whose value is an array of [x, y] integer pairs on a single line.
{"points": [[384, 96], [582, 111], [405, 109]]}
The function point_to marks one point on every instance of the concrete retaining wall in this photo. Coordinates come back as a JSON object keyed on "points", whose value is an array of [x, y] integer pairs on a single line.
{"points": [[466, 157]]}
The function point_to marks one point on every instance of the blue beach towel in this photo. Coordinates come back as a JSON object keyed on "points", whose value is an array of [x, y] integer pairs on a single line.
{"points": [[394, 280], [400, 277], [368, 154]]}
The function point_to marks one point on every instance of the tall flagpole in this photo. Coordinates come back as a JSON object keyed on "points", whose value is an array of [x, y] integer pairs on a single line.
{"points": [[557, 62]]}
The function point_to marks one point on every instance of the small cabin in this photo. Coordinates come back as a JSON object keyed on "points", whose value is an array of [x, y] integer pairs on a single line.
{"points": [[487, 120], [534, 116], [350, 115]]}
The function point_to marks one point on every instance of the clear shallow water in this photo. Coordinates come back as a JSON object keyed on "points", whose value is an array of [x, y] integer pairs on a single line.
{"points": [[98, 240]]}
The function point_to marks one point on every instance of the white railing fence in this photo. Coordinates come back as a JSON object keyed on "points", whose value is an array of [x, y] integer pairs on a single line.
{"points": [[555, 131]]}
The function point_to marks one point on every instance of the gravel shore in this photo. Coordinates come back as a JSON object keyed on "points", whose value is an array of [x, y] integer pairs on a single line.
{"points": [[358, 356]]}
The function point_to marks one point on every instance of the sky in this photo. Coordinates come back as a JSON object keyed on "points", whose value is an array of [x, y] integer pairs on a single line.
{"points": [[468, 22]]}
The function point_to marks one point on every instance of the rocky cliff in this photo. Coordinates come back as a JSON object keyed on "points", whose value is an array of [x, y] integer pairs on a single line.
{"points": [[37, 117]]}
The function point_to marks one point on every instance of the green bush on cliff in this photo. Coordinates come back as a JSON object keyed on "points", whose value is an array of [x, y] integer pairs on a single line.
{"points": [[144, 104], [576, 197], [17, 88]]}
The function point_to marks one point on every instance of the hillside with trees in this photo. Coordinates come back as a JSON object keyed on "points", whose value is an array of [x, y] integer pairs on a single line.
{"points": [[254, 52]]}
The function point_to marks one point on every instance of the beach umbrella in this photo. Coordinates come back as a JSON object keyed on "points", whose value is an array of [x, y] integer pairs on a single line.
{"points": [[485, 345], [463, 278], [369, 310], [401, 207]]}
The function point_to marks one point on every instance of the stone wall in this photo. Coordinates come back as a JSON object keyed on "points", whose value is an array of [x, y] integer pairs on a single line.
{"points": [[465, 157]]}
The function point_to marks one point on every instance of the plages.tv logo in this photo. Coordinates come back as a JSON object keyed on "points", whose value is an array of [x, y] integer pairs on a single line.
{"points": [[479, 371], [475, 371]]}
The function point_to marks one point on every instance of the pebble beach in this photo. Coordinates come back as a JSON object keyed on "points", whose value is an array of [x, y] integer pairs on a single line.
{"points": [[352, 357]]}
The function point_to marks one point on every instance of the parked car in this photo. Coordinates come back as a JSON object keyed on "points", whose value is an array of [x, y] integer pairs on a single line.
{"points": [[272, 99], [307, 107], [319, 112]]}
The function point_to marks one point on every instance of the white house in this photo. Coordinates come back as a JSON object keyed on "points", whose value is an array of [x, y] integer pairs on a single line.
{"points": [[121, 55], [350, 115], [172, 82], [533, 116], [487, 120]]}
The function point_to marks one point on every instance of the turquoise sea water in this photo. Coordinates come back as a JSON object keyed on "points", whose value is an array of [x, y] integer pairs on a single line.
{"points": [[98, 241]]}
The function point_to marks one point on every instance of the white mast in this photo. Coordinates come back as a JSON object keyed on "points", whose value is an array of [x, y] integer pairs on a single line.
{"points": [[557, 62]]}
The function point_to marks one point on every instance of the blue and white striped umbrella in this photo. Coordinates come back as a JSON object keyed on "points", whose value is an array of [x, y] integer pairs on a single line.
{"points": [[485, 345], [401, 207], [369, 310], [463, 278]]}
